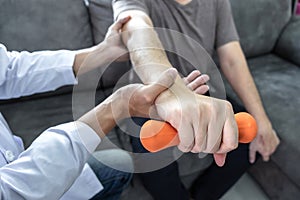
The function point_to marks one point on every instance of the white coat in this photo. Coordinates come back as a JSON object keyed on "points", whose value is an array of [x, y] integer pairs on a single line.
{"points": [[54, 166]]}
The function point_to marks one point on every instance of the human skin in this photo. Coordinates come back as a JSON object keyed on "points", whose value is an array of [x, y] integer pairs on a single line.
{"points": [[204, 124], [235, 68], [108, 50], [131, 100]]}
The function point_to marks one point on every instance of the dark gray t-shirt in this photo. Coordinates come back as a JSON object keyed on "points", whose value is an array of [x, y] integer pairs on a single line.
{"points": [[207, 22]]}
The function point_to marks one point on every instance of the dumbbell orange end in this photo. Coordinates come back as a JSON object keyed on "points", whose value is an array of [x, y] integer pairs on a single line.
{"points": [[247, 127], [156, 135]]}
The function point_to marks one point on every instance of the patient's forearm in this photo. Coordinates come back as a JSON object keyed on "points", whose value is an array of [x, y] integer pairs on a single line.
{"points": [[148, 55], [146, 51]]}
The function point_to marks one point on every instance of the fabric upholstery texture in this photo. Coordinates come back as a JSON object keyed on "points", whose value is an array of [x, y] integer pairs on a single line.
{"points": [[44, 24], [101, 17], [279, 85], [288, 45], [281, 97], [259, 23]]}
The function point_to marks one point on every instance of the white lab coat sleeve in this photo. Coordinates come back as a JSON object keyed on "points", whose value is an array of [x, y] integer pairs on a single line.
{"points": [[24, 73], [49, 167]]}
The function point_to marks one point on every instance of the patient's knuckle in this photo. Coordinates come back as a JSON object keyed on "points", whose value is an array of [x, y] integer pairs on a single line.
{"points": [[184, 148], [232, 145], [228, 106]]}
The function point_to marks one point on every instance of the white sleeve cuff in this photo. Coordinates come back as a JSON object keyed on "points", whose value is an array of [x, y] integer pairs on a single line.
{"points": [[88, 136], [67, 61]]}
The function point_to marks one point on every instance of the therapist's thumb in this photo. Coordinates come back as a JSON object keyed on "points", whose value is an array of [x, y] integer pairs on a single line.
{"points": [[165, 81]]}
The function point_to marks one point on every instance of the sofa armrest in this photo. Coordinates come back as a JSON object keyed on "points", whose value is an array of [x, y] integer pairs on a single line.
{"points": [[288, 45]]}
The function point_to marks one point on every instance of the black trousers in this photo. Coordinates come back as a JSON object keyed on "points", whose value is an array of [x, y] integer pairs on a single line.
{"points": [[165, 184]]}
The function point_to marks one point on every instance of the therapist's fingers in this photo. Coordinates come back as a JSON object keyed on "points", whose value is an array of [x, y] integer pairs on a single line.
{"points": [[143, 97], [119, 24], [192, 76], [202, 89], [196, 82]]}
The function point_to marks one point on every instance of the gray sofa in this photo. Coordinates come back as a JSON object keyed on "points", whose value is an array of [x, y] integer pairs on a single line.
{"points": [[270, 39]]}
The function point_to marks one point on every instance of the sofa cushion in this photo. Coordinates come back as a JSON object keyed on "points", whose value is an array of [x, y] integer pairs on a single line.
{"points": [[275, 183], [101, 17], [259, 23], [288, 45], [44, 24], [279, 85]]}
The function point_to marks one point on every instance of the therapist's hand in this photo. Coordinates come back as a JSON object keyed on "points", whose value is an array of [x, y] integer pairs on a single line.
{"points": [[140, 99], [110, 50], [132, 100], [113, 41]]}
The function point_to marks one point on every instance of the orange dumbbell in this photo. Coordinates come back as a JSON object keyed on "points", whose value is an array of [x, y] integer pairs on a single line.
{"points": [[157, 135]]}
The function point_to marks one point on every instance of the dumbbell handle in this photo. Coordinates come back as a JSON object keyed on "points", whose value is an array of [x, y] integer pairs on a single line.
{"points": [[157, 135]]}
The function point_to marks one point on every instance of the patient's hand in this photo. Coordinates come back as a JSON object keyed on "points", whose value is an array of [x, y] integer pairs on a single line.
{"points": [[204, 124]]}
